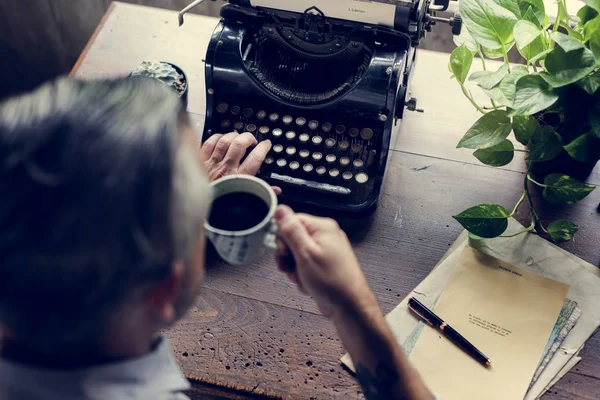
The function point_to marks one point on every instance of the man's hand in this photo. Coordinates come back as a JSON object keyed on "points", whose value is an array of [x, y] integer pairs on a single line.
{"points": [[317, 256], [222, 154]]}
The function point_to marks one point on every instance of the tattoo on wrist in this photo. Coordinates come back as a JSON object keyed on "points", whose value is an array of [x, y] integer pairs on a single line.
{"points": [[378, 384]]}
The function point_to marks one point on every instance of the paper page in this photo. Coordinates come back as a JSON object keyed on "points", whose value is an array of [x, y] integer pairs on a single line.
{"points": [[506, 312], [377, 12]]}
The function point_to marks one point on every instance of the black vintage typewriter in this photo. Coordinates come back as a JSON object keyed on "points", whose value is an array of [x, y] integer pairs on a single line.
{"points": [[325, 88]]}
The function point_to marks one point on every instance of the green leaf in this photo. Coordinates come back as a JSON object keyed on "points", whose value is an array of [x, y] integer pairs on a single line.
{"points": [[537, 9], [562, 189], [525, 32], [533, 49], [532, 95], [510, 5], [541, 56], [529, 15], [595, 4], [566, 68], [485, 220], [545, 144], [590, 84], [566, 42], [585, 148], [524, 127], [489, 79], [494, 53], [562, 230], [497, 156], [504, 93], [586, 14], [490, 130], [591, 27], [490, 24], [595, 44], [466, 39], [460, 63]]}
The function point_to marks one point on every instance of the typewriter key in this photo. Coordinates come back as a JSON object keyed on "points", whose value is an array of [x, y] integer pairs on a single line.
{"points": [[235, 110], [321, 170], [317, 140], [330, 158], [371, 158], [344, 145], [294, 165], [304, 153], [358, 163], [330, 143], [278, 148], [361, 178], [251, 128], [300, 122], [277, 133], [313, 125], [274, 117], [353, 132], [326, 127], [264, 130], [317, 156], [308, 168], [304, 138], [262, 114], [366, 134], [287, 119], [225, 123], [344, 161], [291, 135], [248, 112], [334, 173], [222, 108], [347, 175], [238, 126], [340, 129], [291, 151], [269, 160], [282, 162], [357, 148]]}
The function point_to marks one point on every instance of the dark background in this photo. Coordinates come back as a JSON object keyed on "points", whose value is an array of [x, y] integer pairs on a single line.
{"points": [[41, 39]]}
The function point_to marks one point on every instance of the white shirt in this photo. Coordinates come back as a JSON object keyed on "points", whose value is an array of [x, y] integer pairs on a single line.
{"points": [[155, 376]]}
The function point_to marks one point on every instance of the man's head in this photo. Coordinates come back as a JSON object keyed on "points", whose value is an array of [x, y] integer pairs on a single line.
{"points": [[102, 202]]}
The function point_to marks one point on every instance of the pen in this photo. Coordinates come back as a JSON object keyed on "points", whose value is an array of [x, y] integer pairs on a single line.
{"points": [[430, 318]]}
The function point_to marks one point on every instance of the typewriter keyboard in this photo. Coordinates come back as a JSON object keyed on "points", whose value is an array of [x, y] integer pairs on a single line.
{"points": [[332, 157]]}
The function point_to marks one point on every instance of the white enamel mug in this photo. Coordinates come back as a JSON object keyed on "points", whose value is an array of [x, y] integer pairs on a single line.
{"points": [[247, 246]]}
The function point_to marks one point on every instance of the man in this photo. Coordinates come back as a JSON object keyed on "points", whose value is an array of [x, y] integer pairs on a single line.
{"points": [[103, 197]]}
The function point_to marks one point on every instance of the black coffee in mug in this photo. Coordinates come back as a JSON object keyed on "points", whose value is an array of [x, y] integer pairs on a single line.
{"points": [[237, 211]]}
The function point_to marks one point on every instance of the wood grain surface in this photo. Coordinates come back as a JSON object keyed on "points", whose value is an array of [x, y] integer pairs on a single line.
{"points": [[251, 334]]}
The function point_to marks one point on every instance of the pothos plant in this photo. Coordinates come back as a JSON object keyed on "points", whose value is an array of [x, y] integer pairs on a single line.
{"points": [[551, 105]]}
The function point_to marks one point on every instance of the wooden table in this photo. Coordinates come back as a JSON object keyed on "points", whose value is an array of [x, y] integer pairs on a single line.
{"points": [[251, 334]]}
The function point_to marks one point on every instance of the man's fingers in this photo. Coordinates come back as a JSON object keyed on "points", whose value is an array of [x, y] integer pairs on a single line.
{"points": [[293, 232], [314, 224], [208, 147], [237, 149], [252, 163], [277, 190], [222, 147]]}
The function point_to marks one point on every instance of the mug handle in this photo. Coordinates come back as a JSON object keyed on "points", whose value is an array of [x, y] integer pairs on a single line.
{"points": [[269, 241]]}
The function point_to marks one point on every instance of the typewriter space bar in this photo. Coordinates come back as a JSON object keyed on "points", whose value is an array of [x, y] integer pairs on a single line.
{"points": [[321, 187]]}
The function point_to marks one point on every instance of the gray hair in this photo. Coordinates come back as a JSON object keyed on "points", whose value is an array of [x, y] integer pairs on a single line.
{"points": [[98, 196]]}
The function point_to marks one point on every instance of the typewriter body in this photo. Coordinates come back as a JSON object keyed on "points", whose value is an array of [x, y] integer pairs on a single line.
{"points": [[325, 91]]}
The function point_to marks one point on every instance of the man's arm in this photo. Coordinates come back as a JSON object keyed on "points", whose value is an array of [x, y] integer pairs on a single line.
{"points": [[317, 256]]}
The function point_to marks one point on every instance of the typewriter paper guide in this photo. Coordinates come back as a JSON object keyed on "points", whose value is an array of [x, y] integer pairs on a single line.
{"points": [[505, 311], [377, 12]]}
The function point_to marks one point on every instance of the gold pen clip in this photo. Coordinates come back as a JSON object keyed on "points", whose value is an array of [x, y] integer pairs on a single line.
{"points": [[420, 315]]}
